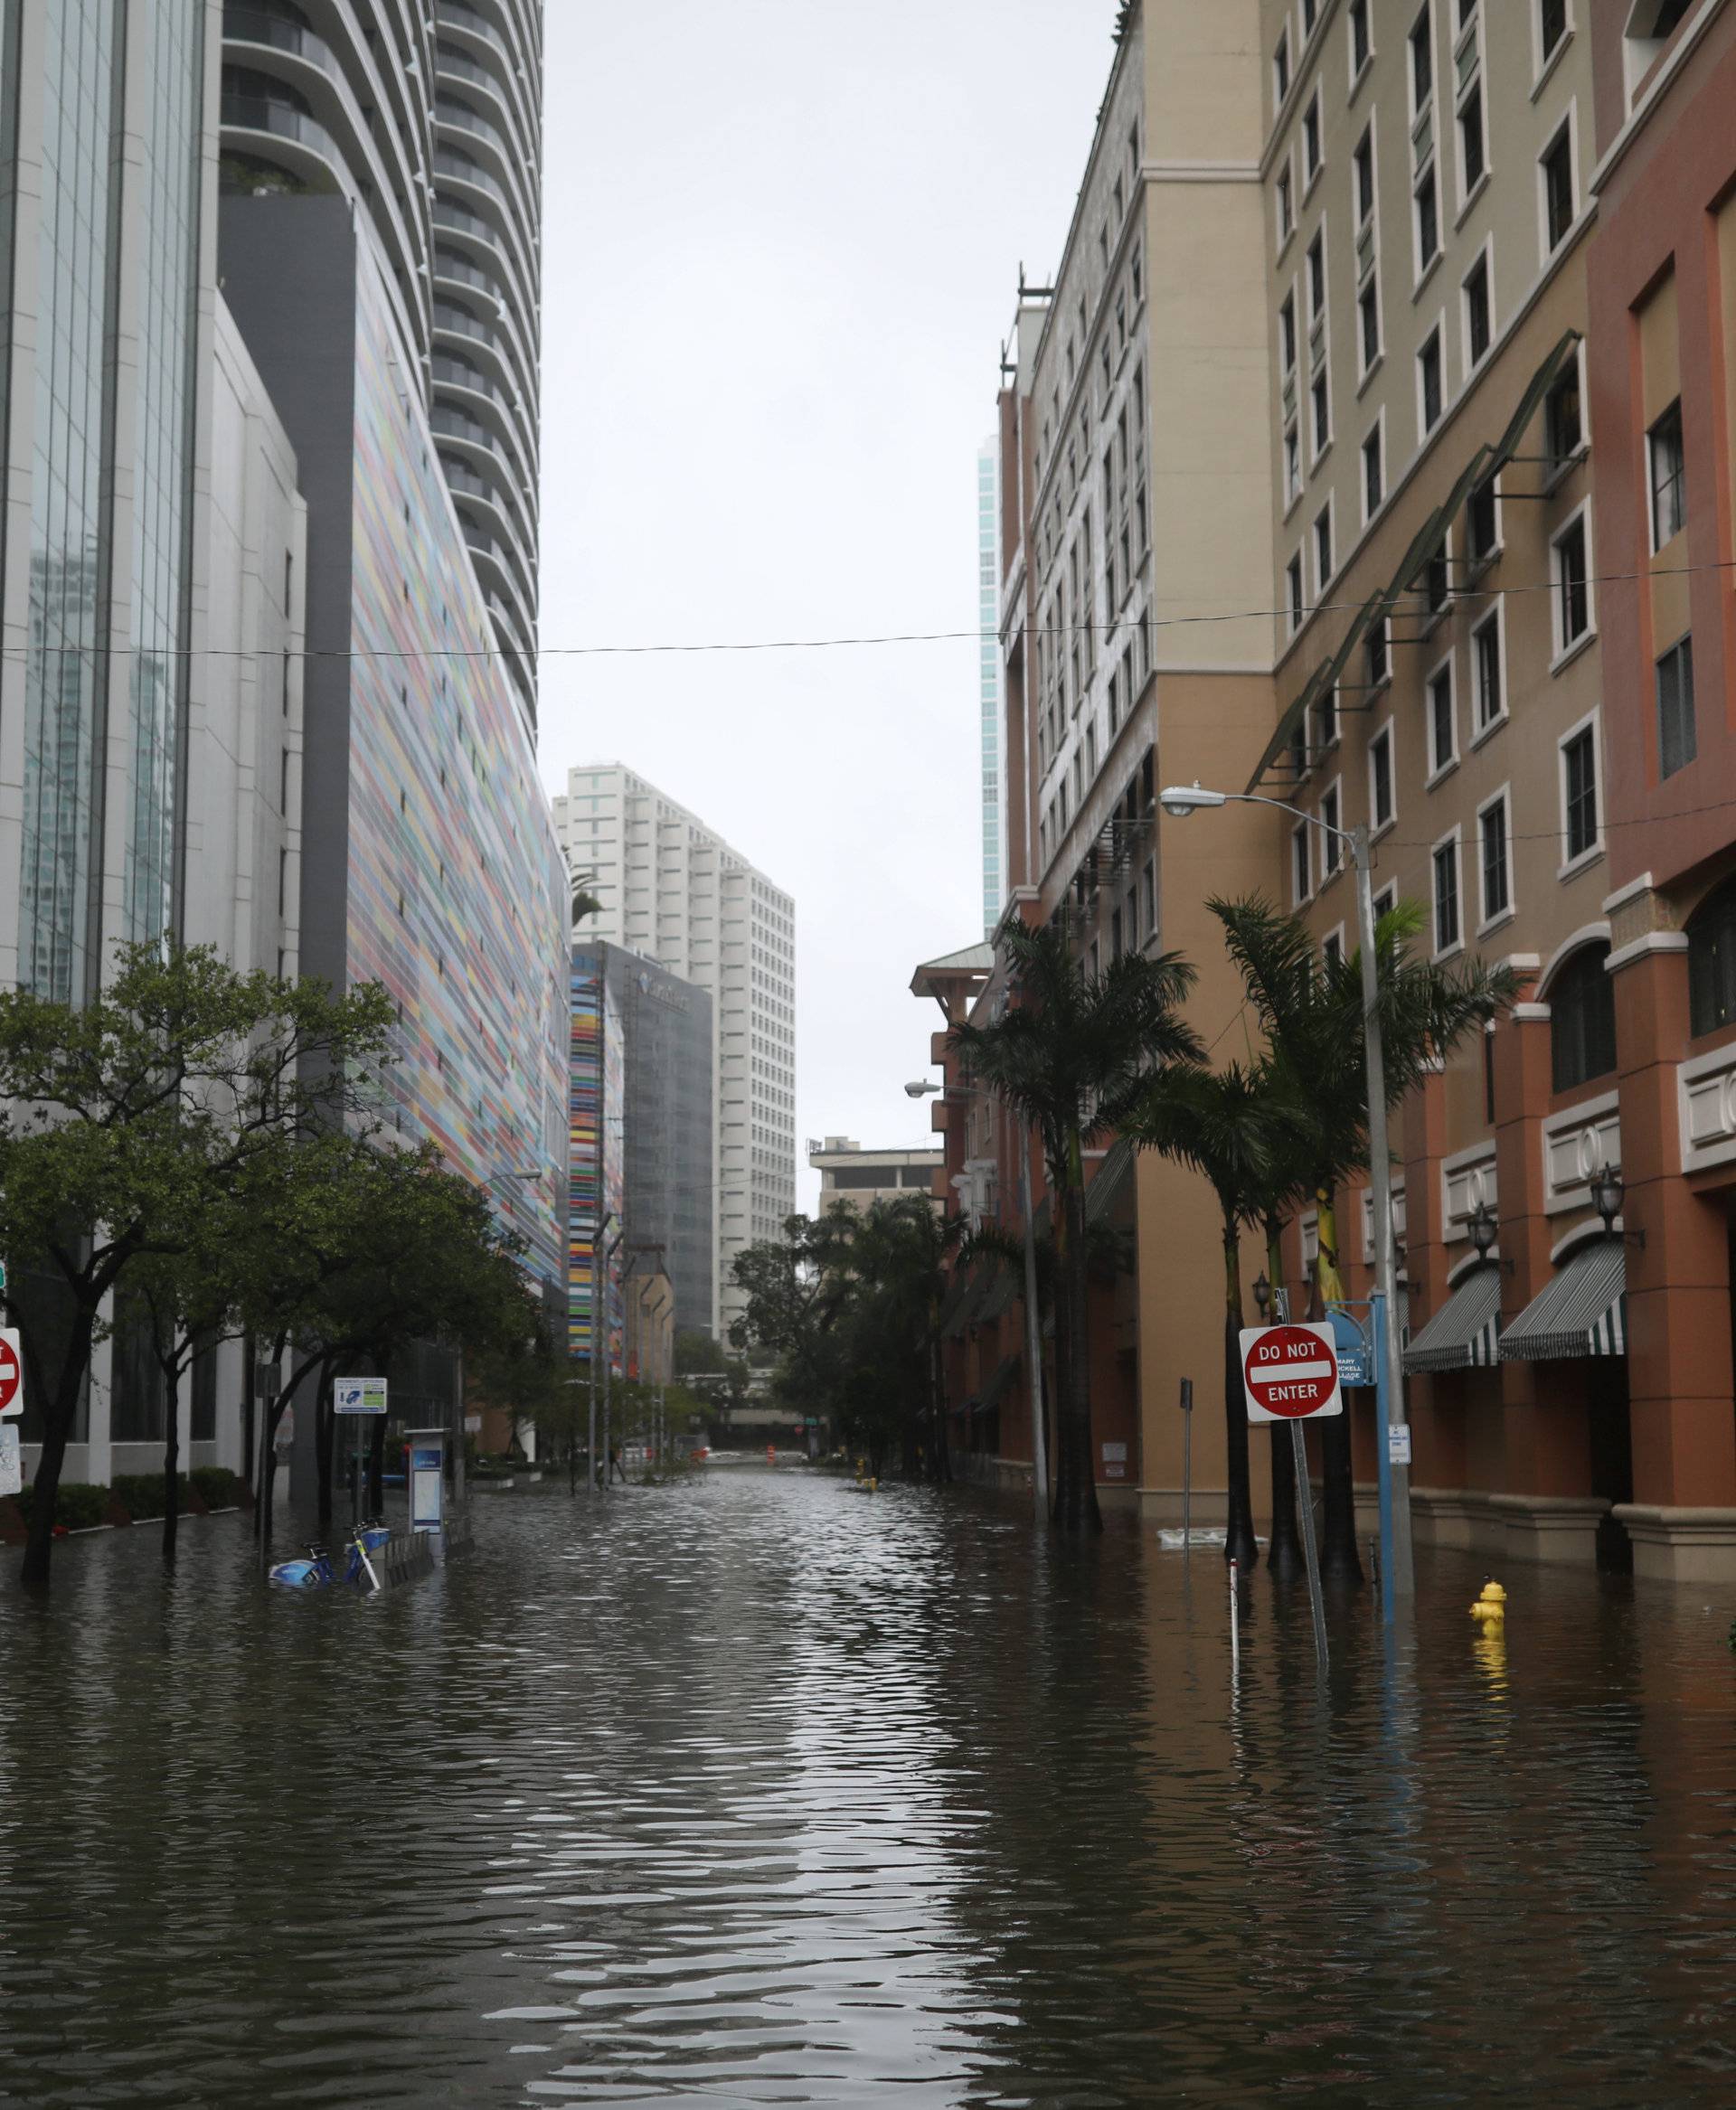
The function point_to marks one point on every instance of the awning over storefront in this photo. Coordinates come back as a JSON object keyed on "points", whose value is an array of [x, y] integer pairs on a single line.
{"points": [[1112, 1175], [1463, 1334], [1007, 1288], [1579, 1312], [1005, 1371]]}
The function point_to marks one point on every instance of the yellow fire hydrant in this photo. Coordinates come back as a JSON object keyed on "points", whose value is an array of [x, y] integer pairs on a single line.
{"points": [[1490, 1609]]}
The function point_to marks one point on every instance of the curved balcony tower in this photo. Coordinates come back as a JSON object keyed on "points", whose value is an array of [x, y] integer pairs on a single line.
{"points": [[427, 116]]}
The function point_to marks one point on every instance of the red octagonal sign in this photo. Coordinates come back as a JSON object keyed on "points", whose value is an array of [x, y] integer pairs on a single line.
{"points": [[12, 1379], [1290, 1373]]}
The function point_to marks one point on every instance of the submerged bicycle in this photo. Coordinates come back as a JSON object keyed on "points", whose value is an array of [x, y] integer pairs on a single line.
{"points": [[314, 1571]]}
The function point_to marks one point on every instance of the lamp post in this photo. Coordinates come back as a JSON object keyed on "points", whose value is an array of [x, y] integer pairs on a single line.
{"points": [[1396, 1560], [1032, 1318]]}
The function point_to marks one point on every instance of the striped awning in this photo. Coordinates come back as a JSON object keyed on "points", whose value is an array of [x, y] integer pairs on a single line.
{"points": [[1004, 1372], [1008, 1287], [1112, 1177], [1463, 1334], [1579, 1312]]}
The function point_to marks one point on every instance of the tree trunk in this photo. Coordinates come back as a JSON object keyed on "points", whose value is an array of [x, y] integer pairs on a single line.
{"points": [[57, 1430], [1238, 1541], [1284, 1553], [1338, 1555], [171, 1366], [1076, 1505]]}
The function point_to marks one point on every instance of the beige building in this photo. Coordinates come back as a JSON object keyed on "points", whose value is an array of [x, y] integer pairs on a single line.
{"points": [[859, 1178]]}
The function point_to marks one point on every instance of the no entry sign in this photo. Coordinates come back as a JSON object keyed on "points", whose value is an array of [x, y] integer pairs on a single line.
{"points": [[1290, 1373], [12, 1376]]}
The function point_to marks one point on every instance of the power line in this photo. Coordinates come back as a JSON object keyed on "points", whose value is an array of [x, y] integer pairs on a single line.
{"points": [[542, 652]]}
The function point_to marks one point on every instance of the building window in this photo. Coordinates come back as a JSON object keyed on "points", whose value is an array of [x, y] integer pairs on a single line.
{"points": [[1443, 739], [1492, 847], [1669, 493], [1482, 528], [1376, 654], [1317, 275], [1299, 866], [1311, 140], [1331, 802], [1675, 741], [1322, 550], [1446, 877], [1428, 204], [1428, 383], [1326, 718], [1364, 178], [1359, 43], [1368, 310], [1711, 962], [1292, 464], [1572, 584], [1557, 166], [1293, 578], [1281, 69], [1477, 320], [1565, 420], [1149, 888], [1373, 478], [1287, 333], [1286, 206], [1321, 400], [1581, 1020], [1422, 63], [1470, 140], [1310, 10], [1485, 659], [1580, 793], [1379, 778], [1552, 26]]}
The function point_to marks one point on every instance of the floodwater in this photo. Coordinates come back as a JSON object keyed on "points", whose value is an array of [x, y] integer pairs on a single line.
{"points": [[762, 1790]]}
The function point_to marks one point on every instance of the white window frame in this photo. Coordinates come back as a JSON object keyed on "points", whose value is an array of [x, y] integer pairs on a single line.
{"points": [[1314, 107], [1330, 846], [1579, 458], [1469, 192], [1317, 315], [1437, 330], [1365, 370], [1302, 832], [1651, 478], [1292, 298], [1369, 135], [1319, 443], [1566, 650], [1335, 936], [1570, 126], [1592, 723], [1377, 433], [1494, 619], [1453, 838], [1485, 256], [1544, 63], [1283, 185], [1476, 564], [1293, 431], [1328, 512], [1386, 731], [1296, 607], [1358, 72], [1439, 769], [1422, 270], [1488, 919], [1386, 900], [1282, 54], [1427, 11]]}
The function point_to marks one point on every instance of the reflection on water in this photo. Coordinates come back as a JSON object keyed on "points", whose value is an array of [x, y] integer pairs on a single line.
{"points": [[765, 1791]]}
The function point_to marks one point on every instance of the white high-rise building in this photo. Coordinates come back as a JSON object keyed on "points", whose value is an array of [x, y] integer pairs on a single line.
{"points": [[671, 887]]}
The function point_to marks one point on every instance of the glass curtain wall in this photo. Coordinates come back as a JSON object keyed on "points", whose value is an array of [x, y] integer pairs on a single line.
{"points": [[168, 262], [68, 538]]}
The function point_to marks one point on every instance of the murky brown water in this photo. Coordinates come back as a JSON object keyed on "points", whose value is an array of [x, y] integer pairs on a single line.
{"points": [[763, 1791]]}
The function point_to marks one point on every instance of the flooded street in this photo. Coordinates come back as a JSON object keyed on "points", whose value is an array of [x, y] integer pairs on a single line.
{"points": [[762, 1790]]}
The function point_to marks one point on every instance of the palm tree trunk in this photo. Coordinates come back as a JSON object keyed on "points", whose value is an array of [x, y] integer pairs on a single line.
{"points": [[1338, 1555], [171, 1456], [1238, 1541], [1076, 1505], [1283, 1554]]}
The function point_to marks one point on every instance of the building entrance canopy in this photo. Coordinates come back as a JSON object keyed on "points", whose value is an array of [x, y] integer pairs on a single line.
{"points": [[1463, 1332], [1581, 1313]]}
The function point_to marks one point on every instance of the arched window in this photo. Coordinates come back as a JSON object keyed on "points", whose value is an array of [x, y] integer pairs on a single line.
{"points": [[1711, 961], [1581, 1020]]}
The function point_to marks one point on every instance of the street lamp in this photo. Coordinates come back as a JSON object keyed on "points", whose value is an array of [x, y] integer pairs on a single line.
{"points": [[1179, 800], [1262, 1293], [919, 1088], [1484, 1229]]}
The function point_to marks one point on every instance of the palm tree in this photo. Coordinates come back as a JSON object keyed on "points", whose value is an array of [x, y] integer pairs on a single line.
{"points": [[585, 903], [1073, 1054], [1312, 1012], [1227, 1127]]}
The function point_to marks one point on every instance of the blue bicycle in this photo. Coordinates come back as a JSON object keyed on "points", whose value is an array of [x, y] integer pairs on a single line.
{"points": [[314, 1570]]}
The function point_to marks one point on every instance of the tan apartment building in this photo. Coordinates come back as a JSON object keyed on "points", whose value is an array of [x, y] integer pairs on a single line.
{"points": [[858, 1178]]}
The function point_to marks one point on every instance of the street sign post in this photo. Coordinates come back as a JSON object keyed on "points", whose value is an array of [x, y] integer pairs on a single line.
{"points": [[358, 1397], [1290, 1373], [12, 1374]]}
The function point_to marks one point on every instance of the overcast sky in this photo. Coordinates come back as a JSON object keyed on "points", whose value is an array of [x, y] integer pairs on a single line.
{"points": [[781, 244]]}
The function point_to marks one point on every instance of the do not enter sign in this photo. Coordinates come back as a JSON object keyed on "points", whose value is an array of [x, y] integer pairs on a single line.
{"points": [[12, 1376], [1290, 1373]]}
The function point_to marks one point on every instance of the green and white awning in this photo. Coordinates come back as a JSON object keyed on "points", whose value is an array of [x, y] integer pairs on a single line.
{"points": [[1464, 1333], [1581, 1313]]}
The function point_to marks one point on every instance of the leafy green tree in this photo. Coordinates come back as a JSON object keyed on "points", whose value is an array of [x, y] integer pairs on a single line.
{"points": [[1312, 1012], [125, 1121], [1073, 1054]]}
